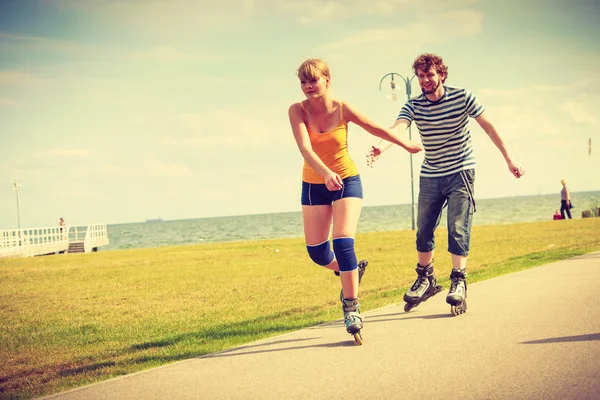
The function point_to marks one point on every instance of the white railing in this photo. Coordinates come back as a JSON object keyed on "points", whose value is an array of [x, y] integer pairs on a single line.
{"points": [[95, 236], [40, 241], [32, 242]]}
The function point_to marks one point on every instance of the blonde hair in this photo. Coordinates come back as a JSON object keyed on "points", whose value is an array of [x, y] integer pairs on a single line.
{"points": [[313, 68], [563, 182]]}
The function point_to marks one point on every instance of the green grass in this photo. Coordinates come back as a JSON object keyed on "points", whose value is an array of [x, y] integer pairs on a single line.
{"points": [[70, 320]]}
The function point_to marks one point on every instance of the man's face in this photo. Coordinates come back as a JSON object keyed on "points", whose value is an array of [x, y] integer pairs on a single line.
{"points": [[429, 80]]}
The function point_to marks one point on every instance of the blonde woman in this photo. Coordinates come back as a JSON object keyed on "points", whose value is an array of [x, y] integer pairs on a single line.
{"points": [[331, 187]]}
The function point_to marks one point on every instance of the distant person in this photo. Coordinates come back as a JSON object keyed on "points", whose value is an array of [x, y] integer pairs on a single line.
{"points": [[441, 114], [557, 215], [331, 186], [61, 223], [565, 200]]}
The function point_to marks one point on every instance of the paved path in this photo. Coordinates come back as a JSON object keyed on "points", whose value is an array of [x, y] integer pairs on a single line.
{"points": [[533, 334]]}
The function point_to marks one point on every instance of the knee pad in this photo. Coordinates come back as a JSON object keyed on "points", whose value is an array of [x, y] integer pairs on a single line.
{"points": [[321, 254], [344, 253]]}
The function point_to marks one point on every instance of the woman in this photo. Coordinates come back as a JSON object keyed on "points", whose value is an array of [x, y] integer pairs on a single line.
{"points": [[565, 200], [331, 185]]}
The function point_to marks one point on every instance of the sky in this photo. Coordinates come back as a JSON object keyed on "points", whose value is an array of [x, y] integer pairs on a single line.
{"points": [[115, 111]]}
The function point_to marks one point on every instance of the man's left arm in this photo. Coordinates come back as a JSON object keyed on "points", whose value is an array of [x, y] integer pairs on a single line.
{"points": [[491, 131]]}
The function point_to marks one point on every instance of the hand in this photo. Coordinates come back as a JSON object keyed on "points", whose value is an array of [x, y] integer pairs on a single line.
{"points": [[414, 147], [333, 182], [516, 170], [373, 155]]}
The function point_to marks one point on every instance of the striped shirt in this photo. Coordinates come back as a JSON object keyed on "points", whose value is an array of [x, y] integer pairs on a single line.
{"points": [[444, 129]]}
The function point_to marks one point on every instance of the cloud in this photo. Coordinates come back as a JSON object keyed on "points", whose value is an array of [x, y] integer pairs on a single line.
{"points": [[543, 90], [16, 77], [542, 108], [8, 103], [432, 29], [39, 43], [314, 11], [219, 130], [169, 53], [578, 111], [71, 153], [47, 161], [81, 164], [165, 19], [161, 53], [170, 170], [190, 18], [61, 48], [544, 126]]}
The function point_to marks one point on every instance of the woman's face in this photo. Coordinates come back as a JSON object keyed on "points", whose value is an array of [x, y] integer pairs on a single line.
{"points": [[314, 87]]}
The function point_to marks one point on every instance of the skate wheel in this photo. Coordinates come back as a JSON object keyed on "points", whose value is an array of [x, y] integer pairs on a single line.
{"points": [[459, 308], [408, 307], [358, 339]]}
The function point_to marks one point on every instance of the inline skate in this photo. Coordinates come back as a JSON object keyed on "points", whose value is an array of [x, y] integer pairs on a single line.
{"points": [[352, 319], [457, 295], [425, 286]]}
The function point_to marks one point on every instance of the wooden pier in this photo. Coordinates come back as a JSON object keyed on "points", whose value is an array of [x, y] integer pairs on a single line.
{"points": [[54, 240]]}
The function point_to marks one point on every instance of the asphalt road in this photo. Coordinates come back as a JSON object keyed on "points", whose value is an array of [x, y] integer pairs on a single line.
{"points": [[533, 334]]}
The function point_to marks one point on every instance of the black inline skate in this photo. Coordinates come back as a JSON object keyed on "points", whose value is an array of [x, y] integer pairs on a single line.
{"points": [[424, 287], [457, 296]]}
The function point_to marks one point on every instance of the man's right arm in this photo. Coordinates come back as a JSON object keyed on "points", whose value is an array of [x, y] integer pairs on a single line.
{"points": [[373, 155]]}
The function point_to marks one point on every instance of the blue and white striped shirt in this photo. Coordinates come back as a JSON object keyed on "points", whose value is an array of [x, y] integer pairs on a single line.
{"points": [[444, 129]]}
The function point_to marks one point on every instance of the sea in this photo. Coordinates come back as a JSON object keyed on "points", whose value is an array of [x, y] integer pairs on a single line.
{"points": [[506, 210]]}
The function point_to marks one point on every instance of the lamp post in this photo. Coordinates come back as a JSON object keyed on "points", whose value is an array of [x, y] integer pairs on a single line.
{"points": [[16, 187], [394, 97]]}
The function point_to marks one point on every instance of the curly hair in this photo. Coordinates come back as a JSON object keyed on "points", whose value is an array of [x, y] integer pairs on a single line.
{"points": [[313, 68], [427, 61]]}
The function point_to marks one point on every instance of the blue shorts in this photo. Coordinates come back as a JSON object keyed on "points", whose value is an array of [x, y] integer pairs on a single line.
{"points": [[457, 191], [317, 194]]}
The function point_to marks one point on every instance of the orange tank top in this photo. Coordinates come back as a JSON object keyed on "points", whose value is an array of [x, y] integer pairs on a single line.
{"points": [[332, 149]]}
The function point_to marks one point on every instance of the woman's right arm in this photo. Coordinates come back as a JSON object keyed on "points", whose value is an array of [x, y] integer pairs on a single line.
{"points": [[332, 180]]}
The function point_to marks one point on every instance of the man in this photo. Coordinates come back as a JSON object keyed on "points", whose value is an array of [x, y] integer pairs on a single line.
{"points": [[441, 114], [565, 200]]}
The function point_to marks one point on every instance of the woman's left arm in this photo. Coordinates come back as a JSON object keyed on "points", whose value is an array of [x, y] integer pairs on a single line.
{"points": [[355, 116]]}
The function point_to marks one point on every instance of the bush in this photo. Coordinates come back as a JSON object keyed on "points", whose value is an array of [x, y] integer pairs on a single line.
{"points": [[594, 209]]}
